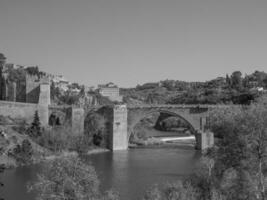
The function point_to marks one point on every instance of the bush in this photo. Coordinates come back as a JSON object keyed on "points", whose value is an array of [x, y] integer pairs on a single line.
{"points": [[2, 168], [69, 179], [61, 139], [95, 127], [23, 152], [35, 130], [178, 190]]}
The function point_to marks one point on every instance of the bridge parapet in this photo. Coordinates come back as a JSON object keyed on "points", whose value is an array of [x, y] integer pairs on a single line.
{"points": [[176, 106]]}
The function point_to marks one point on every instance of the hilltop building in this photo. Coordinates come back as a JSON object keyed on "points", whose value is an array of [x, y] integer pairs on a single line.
{"points": [[60, 81], [111, 91]]}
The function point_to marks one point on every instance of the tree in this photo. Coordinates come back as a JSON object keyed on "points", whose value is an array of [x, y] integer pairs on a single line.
{"points": [[69, 179], [23, 152], [2, 63], [236, 80], [265, 82], [55, 92], [35, 129], [178, 190], [228, 81], [243, 152], [2, 168], [257, 139], [2, 59]]}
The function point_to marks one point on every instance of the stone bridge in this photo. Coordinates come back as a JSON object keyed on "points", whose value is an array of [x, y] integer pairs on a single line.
{"points": [[122, 120]]}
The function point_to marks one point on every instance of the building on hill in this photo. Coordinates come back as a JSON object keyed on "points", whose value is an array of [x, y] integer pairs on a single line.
{"points": [[61, 82], [111, 91]]}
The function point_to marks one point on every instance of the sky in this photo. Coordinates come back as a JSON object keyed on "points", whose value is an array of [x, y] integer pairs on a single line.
{"points": [[131, 42]]}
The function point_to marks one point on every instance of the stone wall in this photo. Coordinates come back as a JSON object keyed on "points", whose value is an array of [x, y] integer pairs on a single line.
{"points": [[24, 111]]}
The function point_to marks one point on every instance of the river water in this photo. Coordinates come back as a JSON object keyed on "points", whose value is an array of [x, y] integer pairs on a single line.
{"points": [[130, 172]]}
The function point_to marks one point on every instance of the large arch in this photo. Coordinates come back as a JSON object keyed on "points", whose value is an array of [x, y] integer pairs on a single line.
{"points": [[195, 119], [132, 124]]}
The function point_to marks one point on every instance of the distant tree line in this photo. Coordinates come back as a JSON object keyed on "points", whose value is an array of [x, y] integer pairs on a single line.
{"points": [[233, 89]]}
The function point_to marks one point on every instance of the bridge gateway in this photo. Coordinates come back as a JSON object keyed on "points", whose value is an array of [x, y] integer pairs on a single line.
{"points": [[126, 117]]}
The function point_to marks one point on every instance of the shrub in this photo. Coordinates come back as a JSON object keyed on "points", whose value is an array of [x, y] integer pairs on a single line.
{"points": [[23, 152], [69, 179], [61, 139], [173, 191], [35, 130]]}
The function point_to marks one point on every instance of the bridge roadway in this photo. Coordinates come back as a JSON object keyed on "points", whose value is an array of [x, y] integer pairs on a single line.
{"points": [[170, 106], [179, 106]]}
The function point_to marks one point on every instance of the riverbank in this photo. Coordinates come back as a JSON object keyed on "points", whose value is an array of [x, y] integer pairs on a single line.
{"points": [[11, 163], [74, 153], [19, 149]]}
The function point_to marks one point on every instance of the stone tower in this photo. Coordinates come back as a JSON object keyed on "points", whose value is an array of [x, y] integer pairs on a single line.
{"points": [[35, 85]]}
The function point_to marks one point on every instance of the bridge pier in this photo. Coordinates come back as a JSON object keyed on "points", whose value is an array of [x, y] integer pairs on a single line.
{"points": [[119, 136], [204, 140]]}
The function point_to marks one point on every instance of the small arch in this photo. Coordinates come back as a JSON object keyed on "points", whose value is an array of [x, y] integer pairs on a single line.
{"points": [[57, 119]]}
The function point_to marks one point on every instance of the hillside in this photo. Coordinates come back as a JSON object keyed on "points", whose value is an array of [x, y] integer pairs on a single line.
{"points": [[19, 149], [234, 89]]}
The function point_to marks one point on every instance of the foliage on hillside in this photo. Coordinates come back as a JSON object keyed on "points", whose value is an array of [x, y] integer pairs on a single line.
{"points": [[234, 89], [17, 148]]}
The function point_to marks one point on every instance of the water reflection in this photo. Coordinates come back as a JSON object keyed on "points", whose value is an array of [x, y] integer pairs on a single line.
{"points": [[130, 172]]}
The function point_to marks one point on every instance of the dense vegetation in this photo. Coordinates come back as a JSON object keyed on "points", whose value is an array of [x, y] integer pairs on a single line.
{"points": [[69, 179], [235, 168], [234, 89]]}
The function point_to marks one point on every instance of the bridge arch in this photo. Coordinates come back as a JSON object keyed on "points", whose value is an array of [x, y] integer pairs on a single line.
{"points": [[196, 120], [132, 123]]}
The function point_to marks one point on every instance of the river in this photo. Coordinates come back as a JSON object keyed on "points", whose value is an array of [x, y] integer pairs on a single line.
{"points": [[129, 172]]}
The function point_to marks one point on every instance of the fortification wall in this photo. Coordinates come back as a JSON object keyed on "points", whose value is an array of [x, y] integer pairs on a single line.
{"points": [[24, 111], [11, 91]]}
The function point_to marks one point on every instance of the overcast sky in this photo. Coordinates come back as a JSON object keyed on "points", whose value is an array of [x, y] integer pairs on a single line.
{"points": [[135, 41]]}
